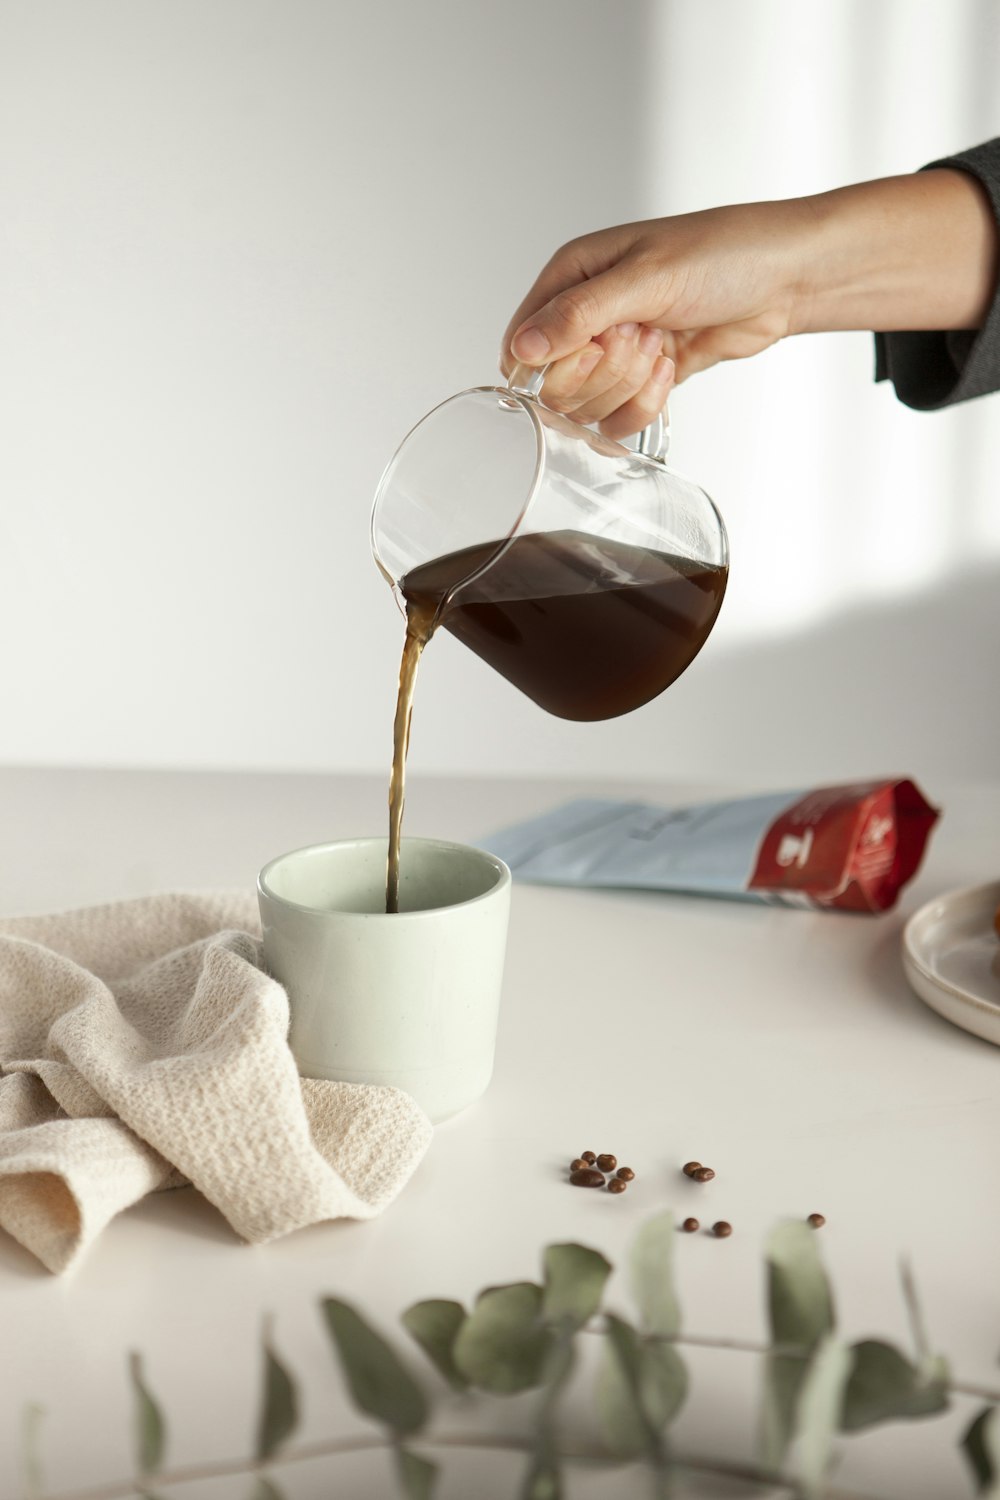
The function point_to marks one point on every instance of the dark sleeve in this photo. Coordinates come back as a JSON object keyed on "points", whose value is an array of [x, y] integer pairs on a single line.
{"points": [[931, 370]]}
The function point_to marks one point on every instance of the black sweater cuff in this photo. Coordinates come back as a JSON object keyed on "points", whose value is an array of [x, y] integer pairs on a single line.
{"points": [[931, 370]]}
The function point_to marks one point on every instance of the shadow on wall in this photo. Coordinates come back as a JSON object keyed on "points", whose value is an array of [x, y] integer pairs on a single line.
{"points": [[882, 688]]}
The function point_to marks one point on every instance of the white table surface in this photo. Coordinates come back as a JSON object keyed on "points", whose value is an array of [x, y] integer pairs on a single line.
{"points": [[783, 1047]]}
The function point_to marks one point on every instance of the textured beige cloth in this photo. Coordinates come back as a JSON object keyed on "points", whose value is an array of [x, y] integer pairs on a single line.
{"points": [[142, 1047]]}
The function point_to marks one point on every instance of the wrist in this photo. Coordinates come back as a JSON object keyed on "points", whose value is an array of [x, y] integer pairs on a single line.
{"points": [[913, 252]]}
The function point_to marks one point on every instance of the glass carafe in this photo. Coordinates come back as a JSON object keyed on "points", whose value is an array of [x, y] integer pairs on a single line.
{"points": [[587, 573]]}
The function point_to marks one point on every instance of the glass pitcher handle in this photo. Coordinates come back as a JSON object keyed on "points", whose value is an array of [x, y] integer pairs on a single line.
{"points": [[654, 440]]}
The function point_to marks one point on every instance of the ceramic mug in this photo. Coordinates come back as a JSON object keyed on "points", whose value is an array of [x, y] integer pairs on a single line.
{"points": [[408, 999]]}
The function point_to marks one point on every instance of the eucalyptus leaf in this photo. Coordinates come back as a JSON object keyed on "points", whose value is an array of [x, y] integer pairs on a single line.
{"points": [[884, 1386], [31, 1450], [820, 1404], [663, 1382], [915, 1312], [266, 1489], [782, 1382], [619, 1406], [641, 1386], [150, 1427], [543, 1480], [652, 1276], [435, 1324], [557, 1368], [503, 1344], [380, 1384], [575, 1278], [981, 1446], [417, 1476], [279, 1410], [800, 1303]]}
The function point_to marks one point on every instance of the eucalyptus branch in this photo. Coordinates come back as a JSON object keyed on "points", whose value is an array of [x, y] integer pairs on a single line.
{"points": [[126, 1489], [791, 1351], [523, 1336]]}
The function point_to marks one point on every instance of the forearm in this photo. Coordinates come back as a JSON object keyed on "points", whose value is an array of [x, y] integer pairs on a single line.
{"points": [[914, 252]]}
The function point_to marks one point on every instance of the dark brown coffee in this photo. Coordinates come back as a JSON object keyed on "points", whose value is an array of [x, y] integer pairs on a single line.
{"points": [[588, 627]]}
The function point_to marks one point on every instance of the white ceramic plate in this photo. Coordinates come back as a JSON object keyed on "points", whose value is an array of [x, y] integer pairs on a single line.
{"points": [[951, 955]]}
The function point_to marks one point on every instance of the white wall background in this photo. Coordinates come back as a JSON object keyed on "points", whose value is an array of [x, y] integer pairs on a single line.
{"points": [[244, 244]]}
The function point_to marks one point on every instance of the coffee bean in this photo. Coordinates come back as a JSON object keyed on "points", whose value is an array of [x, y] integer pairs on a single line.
{"points": [[617, 1185], [587, 1177], [607, 1162], [690, 1168], [588, 1156], [690, 1225], [816, 1220], [626, 1174], [722, 1230], [577, 1164], [703, 1174]]}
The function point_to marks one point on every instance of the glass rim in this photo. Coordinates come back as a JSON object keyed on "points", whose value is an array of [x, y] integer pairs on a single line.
{"points": [[508, 397]]}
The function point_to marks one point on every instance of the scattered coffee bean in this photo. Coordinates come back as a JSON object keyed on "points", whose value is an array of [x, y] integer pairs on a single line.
{"points": [[617, 1185], [588, 1156], [722, 1230], [587, 1177], [626, 1174], [607, 1162], [577, 1164], [690, 1226], [816, 1220], [703, 1174], [690, 1168]]}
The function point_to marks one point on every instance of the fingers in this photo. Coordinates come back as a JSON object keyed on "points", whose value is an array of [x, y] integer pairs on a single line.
{"points": [[571, 319], [574, 264], [569, 376], [630, 353], [642, 408], [580, 312], [619, 380]]}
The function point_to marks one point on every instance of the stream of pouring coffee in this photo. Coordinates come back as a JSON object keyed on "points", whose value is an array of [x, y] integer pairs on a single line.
{"points": [[420, 622]]}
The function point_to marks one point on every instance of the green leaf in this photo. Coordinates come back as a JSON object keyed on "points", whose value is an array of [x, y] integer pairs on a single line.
{"points": [[663, 1382], [783, 1377], [435, 1324], [981, 1445], [543, 1481], [417, 1476], [800, 1308], [31, 1450], [641, 1387], [884, 1386], [574, 1284], [266, 1489], [503, 1344], [557, 1368], [279, 1409], [652, 1277], [619, 1407], [150, 1428], [799, 1299], [380, 1384], [818, 1417]]}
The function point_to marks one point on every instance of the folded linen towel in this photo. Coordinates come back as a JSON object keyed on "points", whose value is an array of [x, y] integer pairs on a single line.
{"points": [[141, 1047]]}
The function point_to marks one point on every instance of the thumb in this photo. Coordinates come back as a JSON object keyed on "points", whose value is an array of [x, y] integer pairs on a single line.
{"points": [[571, 319]]}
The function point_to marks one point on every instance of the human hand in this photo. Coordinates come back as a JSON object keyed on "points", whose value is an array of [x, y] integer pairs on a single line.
{"points": [[622, 314], [919, 251]]}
